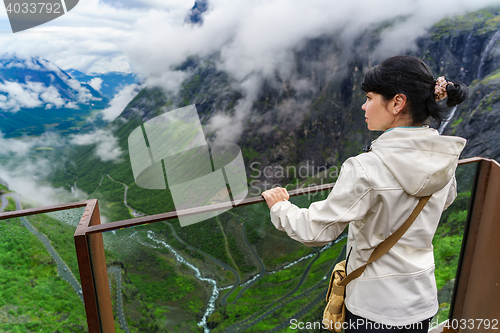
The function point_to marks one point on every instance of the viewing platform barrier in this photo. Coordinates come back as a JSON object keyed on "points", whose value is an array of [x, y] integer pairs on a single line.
{"points": [[476, 294]]}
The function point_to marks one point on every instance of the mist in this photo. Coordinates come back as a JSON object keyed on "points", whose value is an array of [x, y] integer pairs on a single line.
{"points": [[120, 101], [28, 178], [106, 149], [257, 39], [254, 41]]}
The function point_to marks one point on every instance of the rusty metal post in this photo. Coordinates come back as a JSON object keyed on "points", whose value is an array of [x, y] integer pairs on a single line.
{"points": [[93, 273], [85, 268]]}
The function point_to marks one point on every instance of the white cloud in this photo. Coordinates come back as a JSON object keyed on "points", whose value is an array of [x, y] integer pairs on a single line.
{"points": [[106, 149], [17, 96], [120, 101], [21, 146], [96, 83], [26, 178], [228, 128], [26, 175], [51, 95], [169, 80], [34, 94], [83, 95], [71, 105]]}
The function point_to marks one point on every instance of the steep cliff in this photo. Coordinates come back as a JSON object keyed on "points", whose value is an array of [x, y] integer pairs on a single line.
{"points": [[466, 49]]}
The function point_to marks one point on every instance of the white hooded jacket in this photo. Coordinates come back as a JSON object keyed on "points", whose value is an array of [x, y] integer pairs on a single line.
{"points": [[375, 193]]}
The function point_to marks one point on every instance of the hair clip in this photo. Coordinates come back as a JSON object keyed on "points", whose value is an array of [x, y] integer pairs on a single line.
{"points": [[440, 88]]}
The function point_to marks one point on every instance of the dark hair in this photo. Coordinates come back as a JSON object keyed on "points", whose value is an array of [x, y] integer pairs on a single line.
{"points": [[410, 76]]}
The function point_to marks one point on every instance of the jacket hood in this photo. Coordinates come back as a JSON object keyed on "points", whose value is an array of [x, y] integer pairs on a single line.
{"points": [[421, 160]]}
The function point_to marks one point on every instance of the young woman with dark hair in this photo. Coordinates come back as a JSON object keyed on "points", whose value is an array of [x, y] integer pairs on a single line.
{"points": [[376, 191]]}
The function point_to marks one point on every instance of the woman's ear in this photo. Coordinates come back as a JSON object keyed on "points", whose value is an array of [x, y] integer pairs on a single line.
{"points": [[398, 103]]}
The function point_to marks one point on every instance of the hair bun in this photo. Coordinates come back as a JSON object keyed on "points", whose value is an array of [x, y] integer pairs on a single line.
{"points": [[457, 93]]}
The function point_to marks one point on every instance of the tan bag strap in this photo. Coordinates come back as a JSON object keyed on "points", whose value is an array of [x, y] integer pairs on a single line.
{"points": [[388, 243]]}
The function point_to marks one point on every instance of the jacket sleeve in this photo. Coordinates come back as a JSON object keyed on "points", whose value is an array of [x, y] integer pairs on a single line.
{"points": [[325, 220], [452, 194]]}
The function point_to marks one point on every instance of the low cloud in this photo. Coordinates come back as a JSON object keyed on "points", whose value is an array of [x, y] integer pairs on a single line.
{"points": [[120, 101], [96, 83], [20, 147], [17, 96], [169, 80], [228, 128], [83, 95], [26, 178], [107, 148], [33, 94], [151, 36]]}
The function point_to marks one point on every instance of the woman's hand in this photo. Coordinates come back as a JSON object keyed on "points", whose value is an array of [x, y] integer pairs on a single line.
{"points": [[275, 195]]}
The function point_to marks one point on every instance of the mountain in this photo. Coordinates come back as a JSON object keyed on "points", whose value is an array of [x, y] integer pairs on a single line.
{"points": [[108, 83], [325, 124], [195, 15], [36, 95], [467, 48], [320, 127]]}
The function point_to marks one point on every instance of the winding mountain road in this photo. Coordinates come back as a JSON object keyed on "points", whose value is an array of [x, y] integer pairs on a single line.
{"points": [[132, 210], [117, 272], [261, 264], [320, 298], [276, 305], [136, 213], [62, 269]]}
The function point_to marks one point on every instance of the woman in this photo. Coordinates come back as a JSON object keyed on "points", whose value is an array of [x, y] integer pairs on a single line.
{"points": [[376, 192]]}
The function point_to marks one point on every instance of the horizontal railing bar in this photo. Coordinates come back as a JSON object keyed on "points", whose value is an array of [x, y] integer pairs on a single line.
{"points": [[198, 210], [173, 214], [41, 210], [470, 160], [221, 206]]}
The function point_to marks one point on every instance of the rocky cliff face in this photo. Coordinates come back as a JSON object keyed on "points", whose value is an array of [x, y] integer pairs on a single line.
{"points": [[466, 49], [478, 119], [320, 122]]}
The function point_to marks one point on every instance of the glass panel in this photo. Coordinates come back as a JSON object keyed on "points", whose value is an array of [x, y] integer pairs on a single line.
{"points": [[236, 272], [220, 274], [447, 241], [40, 287]]}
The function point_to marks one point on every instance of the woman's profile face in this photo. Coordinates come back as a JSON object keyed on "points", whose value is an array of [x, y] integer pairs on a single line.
{"points": [[377, 114]]}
